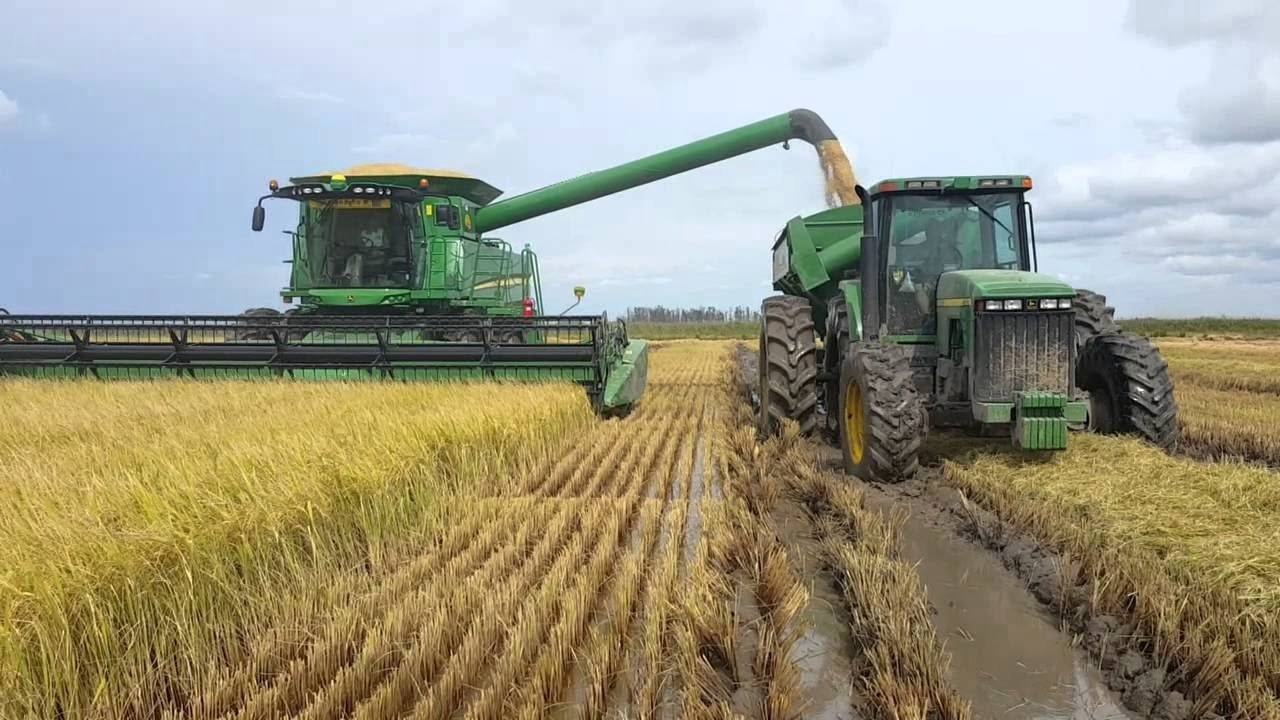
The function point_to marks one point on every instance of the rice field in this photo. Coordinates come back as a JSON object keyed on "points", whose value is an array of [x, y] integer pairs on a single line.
{"points": [[249, 550], [236, 550]]}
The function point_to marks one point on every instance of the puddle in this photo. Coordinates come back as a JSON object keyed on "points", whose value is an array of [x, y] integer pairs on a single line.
{"points": [[1007, 656], [824, 652]]}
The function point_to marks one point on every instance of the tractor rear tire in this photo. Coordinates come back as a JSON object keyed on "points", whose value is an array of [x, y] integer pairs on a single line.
{"points": [[1130, 391], [883, 421], [788, 365], [1093, 316]]}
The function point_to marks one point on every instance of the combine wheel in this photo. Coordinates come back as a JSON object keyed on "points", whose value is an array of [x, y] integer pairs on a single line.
{"points": [[1130, 391], [883, 422], [1093, 316], [788, 365], [252, 334]]}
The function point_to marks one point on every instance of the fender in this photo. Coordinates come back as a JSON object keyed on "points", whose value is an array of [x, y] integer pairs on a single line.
{"points": [[852, 290]]}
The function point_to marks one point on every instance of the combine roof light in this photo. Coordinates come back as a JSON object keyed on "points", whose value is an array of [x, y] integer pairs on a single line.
{"points": [[423, 183], [993, 305], [273, 186], [1012, 304]]}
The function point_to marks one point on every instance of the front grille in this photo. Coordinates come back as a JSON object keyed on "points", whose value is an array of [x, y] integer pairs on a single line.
{"points": [[1019, 351]]}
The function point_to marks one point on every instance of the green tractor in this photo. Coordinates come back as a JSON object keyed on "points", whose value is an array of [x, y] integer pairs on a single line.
{"points": [[920, 306], [395, 273]]}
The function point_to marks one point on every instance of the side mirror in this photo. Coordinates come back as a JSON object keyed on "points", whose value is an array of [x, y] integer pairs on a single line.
{"points": [[259, 218]]}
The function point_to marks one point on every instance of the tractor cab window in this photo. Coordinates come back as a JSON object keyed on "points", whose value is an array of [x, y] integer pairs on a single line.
{"points": [[933, 234], [361, 243]]}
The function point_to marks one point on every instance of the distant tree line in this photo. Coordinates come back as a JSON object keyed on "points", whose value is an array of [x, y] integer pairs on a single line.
{"points": [[660, 314]]}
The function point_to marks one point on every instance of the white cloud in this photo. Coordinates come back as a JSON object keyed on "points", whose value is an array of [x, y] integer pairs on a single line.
{"points": [[8, 109], [1239, 98]]}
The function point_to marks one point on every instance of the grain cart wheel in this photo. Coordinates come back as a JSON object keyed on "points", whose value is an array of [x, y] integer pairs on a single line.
{"points": [[254, 315], [1093, 316], [1129, 388], [837, 347], [883, 422], [788, 365]]}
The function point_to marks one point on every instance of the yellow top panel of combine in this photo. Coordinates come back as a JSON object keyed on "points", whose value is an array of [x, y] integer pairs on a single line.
{"points": [[443, 182], [394, 170]]}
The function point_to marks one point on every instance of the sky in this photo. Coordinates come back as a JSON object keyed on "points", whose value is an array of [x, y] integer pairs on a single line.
{"points": [[135, 137]]}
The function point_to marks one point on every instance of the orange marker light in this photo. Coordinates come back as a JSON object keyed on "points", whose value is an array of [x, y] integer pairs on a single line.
{"points": [[1026, 182], [887, 186], [273, 186]]}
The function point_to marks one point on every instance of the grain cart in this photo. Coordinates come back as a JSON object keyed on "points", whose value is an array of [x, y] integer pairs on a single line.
{"points": [[396, 273], [921, 306]]}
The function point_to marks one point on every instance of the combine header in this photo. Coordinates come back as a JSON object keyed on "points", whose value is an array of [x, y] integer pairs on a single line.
{"points": [[396, 275]]}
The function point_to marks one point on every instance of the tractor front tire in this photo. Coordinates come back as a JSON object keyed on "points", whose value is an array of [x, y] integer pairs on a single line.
{"points": [[1093, 316], [883, 422], [1130, 391], [788, 365]]}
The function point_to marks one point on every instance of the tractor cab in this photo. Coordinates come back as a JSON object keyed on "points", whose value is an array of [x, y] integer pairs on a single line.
{"points": [[933, 226]]}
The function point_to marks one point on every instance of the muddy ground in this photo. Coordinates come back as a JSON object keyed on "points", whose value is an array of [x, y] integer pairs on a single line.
{"points": [[1022, 642]]}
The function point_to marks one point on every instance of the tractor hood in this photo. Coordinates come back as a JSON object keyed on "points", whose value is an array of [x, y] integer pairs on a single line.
{"points": [[977, 284]]}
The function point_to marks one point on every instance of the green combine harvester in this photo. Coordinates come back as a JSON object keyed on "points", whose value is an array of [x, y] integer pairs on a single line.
{"points": [[920, 306], [396, 274]]}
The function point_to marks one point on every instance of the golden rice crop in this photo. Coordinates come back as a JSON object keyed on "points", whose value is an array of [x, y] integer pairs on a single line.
{"points": [[1225, 365], [1221, 424], [148, 529], [1187, 549]]}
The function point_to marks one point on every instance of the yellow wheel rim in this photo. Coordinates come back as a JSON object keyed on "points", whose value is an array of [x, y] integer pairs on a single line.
{"points": [[853, 421]]}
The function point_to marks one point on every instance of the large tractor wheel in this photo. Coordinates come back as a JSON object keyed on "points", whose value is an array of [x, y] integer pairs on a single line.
{"points": [[1130, 391], [883, 422], [788, 365], [1093, 316]]}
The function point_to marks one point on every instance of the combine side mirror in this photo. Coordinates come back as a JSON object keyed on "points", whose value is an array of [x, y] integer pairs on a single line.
{"points": [[259, 218]]}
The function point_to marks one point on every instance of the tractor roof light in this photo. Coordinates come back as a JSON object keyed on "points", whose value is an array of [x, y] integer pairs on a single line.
{"points": [[1013, 304], [272, 185], [423, 183]]}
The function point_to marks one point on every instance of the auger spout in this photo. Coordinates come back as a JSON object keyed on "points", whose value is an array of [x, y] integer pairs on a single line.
{"points": [[800, 124]]}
